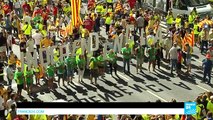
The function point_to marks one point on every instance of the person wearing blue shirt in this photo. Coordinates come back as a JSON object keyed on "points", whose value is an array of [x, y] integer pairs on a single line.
{"points": [[207, 67]]}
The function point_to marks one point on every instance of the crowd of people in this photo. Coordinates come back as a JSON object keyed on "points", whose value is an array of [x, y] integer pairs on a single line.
{"points": [[19, 20]]}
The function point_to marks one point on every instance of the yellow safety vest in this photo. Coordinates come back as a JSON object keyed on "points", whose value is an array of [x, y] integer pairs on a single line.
{"points": [[108, 20], [196, 27], [109, 1], [27, 29], [169, 19], [191, 19], [178, 22]]}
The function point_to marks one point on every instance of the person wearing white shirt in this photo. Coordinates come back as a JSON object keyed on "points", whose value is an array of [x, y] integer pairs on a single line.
{"points": [[17, 6], [37, 37], [122, 37], [9, 42], [82, 12], [167, 45], [173, 57], [10, 74], [30, 46], [11, 101], [27, 18]]}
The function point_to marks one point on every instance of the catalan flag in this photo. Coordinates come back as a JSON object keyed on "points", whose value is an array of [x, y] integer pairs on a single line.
{"points": [[189, 38], [205, 21], [75, 8]]}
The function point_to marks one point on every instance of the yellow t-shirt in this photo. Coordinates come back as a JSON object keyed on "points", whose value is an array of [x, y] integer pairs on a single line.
{"points": [[46, 42]]}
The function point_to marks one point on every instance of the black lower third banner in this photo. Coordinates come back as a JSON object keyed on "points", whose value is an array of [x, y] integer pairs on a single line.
{"points": [[50, 108]]}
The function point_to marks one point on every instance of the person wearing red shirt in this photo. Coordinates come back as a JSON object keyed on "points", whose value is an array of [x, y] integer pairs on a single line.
{"points": [[6, 9], [45, 16], [132, 19], [132, 3], [38, 11], [88, 24], [91, 4], [55, 11], [26, 7]]}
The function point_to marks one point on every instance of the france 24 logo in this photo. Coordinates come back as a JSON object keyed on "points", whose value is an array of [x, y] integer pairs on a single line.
{"points": [[189, 108]]}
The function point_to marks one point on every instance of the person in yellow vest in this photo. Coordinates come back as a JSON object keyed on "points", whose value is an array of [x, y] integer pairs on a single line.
{"points": [[169, 18], [178, 21], [98, 8], [44, 31], [39, 26], [191, 20], [27, 29], [108, 22], [104, 10], [196, 32], [200, 110], [67, 9], [210, 104], [194, 12], [110, 9], [56, 54]]}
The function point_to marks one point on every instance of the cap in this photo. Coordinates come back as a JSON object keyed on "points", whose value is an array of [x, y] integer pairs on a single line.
{"points": [[208, 56]]}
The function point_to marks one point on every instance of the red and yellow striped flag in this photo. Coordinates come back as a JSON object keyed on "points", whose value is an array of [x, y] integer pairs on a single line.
{"points": [[75, 8]]}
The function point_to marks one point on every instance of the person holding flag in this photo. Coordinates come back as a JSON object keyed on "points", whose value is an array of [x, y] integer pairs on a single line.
{"points": [[126, 51]]}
